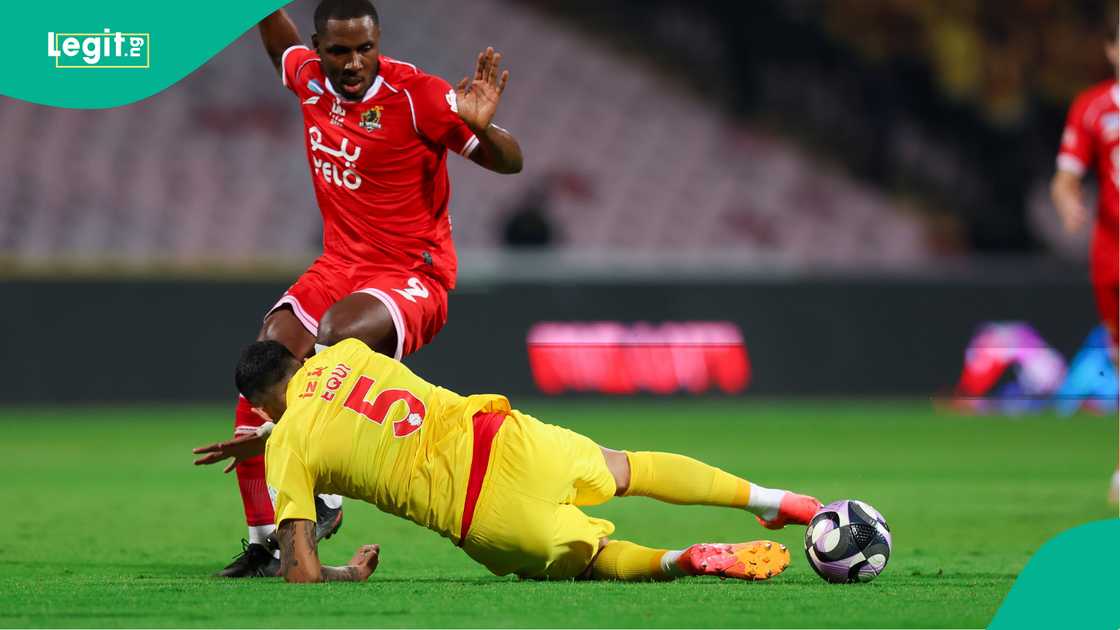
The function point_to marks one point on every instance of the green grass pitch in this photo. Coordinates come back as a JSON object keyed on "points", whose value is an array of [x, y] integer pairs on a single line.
{"points": [[106, 523]]}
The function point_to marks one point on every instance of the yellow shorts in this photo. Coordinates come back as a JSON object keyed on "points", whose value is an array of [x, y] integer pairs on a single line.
{"points": [[526, 521]]}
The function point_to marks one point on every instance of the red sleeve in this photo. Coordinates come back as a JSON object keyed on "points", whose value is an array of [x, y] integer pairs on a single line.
{"points": [[1076, 153], [295, 68], [433, 102]]}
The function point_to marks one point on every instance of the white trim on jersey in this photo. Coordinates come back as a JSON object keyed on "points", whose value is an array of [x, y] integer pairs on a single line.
{"points": [[394, 312], [370, 93], [412, 109], [470, 146], [1070, 164], [309, 322], [373, 89], [284, 60], [403, 63]]}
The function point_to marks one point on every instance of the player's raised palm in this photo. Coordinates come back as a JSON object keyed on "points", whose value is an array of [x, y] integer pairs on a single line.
{"points": [[477, 98]]}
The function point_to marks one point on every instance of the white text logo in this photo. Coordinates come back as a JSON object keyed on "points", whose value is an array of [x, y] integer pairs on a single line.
{"points": [[328, 170], [100, 50]]}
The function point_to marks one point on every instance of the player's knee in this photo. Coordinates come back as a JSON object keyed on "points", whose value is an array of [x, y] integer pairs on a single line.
{"points": [[619, 465]]}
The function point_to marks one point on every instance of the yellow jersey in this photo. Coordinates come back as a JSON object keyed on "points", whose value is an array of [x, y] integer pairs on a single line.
{"points": [[363, 425]]}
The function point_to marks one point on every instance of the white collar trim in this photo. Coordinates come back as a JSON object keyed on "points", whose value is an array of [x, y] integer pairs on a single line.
{"points": [[370, 93]]}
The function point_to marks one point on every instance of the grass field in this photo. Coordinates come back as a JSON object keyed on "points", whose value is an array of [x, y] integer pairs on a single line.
{"points": [[107, 524]]}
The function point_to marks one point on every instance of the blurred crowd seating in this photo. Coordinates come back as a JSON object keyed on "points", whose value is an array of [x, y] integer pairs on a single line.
{"points": [[213, 170], [996, 54]]}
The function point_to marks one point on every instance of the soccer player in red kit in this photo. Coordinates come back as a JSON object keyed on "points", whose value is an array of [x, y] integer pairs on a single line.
{"points": [[377, 132], [1091, 141]]}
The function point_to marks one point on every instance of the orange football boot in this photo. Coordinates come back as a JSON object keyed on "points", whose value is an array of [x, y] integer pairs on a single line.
{"points": [[755, 560]]}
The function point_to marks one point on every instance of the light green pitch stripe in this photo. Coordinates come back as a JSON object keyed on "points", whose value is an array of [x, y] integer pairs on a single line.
{"points": [[183, 36], [1072, 582]]}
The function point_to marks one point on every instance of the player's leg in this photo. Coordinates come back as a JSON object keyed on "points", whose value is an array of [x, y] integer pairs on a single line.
{"points": [[685, 481], [292, 321], [631, 562], [394, 313], [256, 560], [359, 316]]}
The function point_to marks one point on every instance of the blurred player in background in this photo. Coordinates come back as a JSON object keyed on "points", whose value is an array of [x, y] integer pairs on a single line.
{"points": [[377, 132], [499, 483], [1091, 141]]}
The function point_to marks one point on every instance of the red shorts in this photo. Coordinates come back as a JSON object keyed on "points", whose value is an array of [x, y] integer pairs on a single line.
{"points": [[416, 302], [1105, 275]]}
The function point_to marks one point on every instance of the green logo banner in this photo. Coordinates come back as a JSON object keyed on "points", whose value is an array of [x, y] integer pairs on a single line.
{"points": [[93, 55], [1070, 583]]}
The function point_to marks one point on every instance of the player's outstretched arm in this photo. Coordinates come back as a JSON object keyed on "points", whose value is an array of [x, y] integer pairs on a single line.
{"points": [[243, 447], [1065, 191], [279, 33], [299, 557], [477, 101]]}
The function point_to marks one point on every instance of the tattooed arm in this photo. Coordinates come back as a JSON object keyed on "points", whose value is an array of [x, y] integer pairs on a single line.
{"points": [[299, 557]]}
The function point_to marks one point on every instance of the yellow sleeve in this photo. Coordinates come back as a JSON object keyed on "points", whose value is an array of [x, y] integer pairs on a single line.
{"points": [[290, 484]]}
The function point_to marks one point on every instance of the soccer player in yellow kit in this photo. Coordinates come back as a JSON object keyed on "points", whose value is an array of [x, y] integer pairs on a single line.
{"points": [[499, 483]]}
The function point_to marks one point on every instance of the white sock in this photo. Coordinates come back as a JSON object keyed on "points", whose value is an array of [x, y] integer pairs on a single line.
{"points": [[669, 564], [259, 534], [765, 502], [333, 501]]}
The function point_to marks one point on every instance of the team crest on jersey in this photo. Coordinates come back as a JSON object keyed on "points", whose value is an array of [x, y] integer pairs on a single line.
{"points": [[371, 118]]}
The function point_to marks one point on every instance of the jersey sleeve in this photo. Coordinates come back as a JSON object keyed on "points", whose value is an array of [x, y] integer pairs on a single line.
{"points": [[294, 65], [290, 484], [1076, 152], [437, 117]]}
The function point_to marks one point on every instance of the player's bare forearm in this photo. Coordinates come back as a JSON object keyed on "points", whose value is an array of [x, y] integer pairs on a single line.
{"points": [[299, 557], [240, 448], [279, 33], [1065, 187], [498, 151], [1065, 192]]}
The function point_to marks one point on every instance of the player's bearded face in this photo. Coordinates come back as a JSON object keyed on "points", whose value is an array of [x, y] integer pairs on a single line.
{"points": [[349, 50]]}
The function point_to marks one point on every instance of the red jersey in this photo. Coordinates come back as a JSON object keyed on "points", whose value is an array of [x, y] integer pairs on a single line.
{"points": [[379, 165], [1092, 139]]}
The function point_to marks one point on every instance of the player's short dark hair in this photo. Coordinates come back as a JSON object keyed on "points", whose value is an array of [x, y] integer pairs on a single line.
{"points": [[343, 10], [262, 365]]}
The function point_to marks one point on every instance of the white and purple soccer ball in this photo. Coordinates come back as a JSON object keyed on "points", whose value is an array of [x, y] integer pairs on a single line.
{"points": [[848, 541]]}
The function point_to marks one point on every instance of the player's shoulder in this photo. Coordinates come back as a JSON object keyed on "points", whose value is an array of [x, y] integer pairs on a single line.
{"points": [[1096, 95], [405, 75], [303, 66]]}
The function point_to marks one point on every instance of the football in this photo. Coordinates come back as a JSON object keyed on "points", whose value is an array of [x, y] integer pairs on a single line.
{"points": [[848, 541]]}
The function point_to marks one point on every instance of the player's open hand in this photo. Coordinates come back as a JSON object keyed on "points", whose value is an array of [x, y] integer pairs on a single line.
{"points": [[365, 560], [477, 98], [239, 448]]}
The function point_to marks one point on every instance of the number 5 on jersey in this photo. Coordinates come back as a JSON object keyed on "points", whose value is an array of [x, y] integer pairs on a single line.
{"points": [[378, 410]]}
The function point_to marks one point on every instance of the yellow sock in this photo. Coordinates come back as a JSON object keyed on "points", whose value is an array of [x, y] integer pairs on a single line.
{"points": [[623, 560], [685, 481]]}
